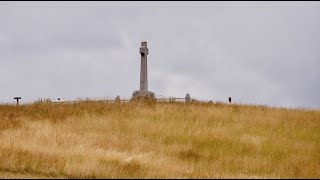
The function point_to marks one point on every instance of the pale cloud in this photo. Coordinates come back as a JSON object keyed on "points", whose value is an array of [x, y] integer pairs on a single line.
{"points": [[255, 52]]}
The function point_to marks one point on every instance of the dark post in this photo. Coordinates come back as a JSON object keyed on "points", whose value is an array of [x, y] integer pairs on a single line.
{"points": [[17, 98], [230, 100]]}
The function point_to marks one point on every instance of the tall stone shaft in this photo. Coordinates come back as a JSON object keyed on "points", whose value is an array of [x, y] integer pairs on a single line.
{"points": [[144, 67], [143, 93]]}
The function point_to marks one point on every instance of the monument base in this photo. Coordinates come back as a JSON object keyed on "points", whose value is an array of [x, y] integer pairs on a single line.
{"points": [[143, 95]]}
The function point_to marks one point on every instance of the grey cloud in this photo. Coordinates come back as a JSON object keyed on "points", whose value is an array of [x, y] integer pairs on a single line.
{"points": [[256, 52]]}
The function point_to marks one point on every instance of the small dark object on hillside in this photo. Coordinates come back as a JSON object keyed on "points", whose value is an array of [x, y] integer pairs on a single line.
{"points": [[17, 98], [117, 100], [230, 100]]}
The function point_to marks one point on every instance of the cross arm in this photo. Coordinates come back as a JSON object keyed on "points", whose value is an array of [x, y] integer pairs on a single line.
{"points": [[144, 50]]}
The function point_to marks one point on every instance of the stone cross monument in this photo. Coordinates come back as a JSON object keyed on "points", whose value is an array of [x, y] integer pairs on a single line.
{"points": [[143, 93]]}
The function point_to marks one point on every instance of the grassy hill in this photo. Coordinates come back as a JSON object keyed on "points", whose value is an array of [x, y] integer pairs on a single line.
{"points": [[163, 140]]}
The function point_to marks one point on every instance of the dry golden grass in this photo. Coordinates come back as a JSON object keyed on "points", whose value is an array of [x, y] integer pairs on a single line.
{"points": [[162, 140]]}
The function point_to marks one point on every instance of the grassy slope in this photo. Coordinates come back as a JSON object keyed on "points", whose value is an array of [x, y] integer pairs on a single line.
{"points": [[10, 175], [164, 140]]}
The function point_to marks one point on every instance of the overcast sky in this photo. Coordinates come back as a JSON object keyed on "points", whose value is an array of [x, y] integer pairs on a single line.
{"points": [[255, 52]]}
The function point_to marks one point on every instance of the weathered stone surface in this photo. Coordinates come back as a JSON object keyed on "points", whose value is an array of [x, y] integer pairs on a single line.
{"points": [[143, 93], [144, 50], [144, 67]]}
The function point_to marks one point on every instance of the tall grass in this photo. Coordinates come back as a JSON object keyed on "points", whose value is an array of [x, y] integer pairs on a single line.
{"points": [[159, 140]]}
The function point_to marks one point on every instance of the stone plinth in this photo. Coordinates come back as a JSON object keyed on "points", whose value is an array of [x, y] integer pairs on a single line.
{"points": [[138, 95]]}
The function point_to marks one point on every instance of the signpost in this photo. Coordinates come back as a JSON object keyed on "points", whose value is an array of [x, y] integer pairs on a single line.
{"points": [[17, 98]]}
